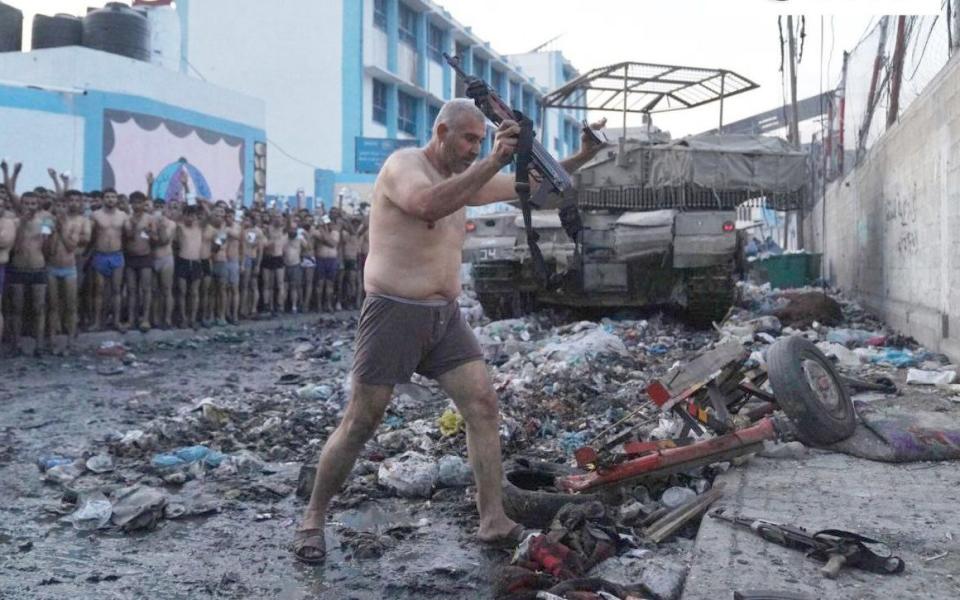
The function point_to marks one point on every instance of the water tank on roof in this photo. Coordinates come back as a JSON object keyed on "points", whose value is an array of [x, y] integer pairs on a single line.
{"points": [[56, 31], [118, 29], [11, 28]]}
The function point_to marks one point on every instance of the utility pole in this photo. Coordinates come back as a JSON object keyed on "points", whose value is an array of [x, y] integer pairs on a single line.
{"points": [[794, 134], [794, 126], [896, 71]]}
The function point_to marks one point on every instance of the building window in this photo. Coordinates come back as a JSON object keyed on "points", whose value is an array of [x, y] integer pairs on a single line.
{"points": [[379, 102], [433, 112], [406, 113], [479, 67], [496, 80], [435, 43], [380, 14], [514, 94], [408, 25]]}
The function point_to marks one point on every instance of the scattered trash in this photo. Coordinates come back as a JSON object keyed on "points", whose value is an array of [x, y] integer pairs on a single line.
{"points": [[313, 391], [453, 471], [451, 423], [48, 462], [93, 512], [137, 507], [920, 377], [186, 456], [100, 463], [675, 496], [410, 475]]}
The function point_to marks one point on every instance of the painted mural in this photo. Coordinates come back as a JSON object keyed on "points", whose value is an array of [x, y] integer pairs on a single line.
{"points": [[135, 144]]}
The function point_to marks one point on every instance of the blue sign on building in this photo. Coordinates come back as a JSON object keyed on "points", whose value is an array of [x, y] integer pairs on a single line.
{"points": [[373, 152]]}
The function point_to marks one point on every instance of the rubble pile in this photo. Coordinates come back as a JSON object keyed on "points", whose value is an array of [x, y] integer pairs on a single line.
{"points": [[561, 382]]}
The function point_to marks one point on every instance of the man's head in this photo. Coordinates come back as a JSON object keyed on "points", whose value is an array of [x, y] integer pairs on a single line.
{"points": [[458, 134], [138, 202], [110, 198], [190, 215], [74, 201], [217, 215], [172, 210], [29, 202]]}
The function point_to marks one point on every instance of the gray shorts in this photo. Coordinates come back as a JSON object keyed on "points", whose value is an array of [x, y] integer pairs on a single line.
{"points": [[294, 274], [397, 337]]}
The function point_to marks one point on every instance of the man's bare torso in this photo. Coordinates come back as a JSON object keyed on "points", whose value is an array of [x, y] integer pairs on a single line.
{"points": [[8, 233], [109, 230], [61, 257], [408, 257]]}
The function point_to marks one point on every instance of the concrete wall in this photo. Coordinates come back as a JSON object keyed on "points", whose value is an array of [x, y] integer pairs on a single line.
{"points": [[53, 106], [891, 229]]}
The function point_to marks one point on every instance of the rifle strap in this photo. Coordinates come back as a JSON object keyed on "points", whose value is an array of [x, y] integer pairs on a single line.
{"points": [[524, 158], [863, 557]]}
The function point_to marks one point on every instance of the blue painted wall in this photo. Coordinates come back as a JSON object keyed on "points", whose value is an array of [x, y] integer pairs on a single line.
{"points": [[91, 105], [352, 95]]}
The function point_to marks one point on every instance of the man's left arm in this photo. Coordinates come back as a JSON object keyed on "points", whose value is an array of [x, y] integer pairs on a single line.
{"points": [[502, 187]]}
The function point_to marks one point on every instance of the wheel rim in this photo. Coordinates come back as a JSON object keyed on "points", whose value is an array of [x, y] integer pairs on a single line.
{"points": [[824, 387]]}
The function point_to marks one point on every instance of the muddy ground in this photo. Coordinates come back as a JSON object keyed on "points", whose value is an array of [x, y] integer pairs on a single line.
{"points": [[63, 406]]}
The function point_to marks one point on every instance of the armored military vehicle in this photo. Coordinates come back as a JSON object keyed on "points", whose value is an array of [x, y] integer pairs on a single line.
{"points": [[659, 228]]}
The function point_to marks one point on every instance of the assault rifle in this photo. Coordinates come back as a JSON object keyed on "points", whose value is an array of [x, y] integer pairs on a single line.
{"points": [[530, 155], [833, 546]]}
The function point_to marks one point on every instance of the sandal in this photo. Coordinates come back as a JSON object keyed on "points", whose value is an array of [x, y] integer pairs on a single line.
{"points": [[309, 546], [512, 539]]}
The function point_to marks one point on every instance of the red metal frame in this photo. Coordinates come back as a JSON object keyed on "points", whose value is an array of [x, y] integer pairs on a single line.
{"points": [[658, 460]]}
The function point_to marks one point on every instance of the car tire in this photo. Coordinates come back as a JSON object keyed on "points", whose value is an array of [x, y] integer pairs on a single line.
{"points": [[810, 391], [528, 496]]}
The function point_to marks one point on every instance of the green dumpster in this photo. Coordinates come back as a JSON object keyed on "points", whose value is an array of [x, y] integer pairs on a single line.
{"points": [[789, 270]]}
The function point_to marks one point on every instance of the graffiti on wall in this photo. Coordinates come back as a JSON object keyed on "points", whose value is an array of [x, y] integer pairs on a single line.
{"points": [[135, 144]]}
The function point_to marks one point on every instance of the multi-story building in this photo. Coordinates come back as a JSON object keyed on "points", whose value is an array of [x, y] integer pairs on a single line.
{"points": [[345, 82]]}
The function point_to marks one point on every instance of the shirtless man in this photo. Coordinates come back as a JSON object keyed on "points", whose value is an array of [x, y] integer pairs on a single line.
{"points": [[410, 320], [218, 258], [351, 251], [327, 248], [188, 269], [80, 206], [162, 231], [253, 241], [308, 261], [138, 259], [231, 312], [272, 266], [9, 224], [108, 224], [293, 271], [210, 232], [364, 233], [28, 269], [61, 249]]}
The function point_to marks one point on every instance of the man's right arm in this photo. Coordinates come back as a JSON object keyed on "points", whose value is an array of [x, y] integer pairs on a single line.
{"points": [[408, 186]]}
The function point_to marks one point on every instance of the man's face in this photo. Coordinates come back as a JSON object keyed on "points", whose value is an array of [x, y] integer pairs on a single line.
{"points": [[138, 207], [29, 204], [217, 215], [75, 204], [110, 200], [460, 142], [334, 214]]}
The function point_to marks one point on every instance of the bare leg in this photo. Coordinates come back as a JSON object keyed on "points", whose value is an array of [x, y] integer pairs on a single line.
{"points": [[117, 281], [132, 296], [98, 284], [254, 292], [221, 299], [16, 317], [146, 295], [194, 304], [281, 290], [360, 421], [234, 293], [70, 308], [268, 290], [182, 302], [54, 317], [307, 288], [470, 388], [294, 288], [39, 300], [166, 294]]}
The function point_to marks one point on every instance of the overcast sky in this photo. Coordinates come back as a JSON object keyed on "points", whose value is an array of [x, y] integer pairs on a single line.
{"points": [[738, 35]]}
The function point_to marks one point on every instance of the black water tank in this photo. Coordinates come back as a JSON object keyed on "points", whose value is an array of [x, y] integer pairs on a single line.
{"points": [[11, 28], [54, 32], [119, 29]]}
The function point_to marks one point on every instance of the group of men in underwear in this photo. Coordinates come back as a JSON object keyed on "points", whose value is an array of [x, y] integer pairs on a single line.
{"points": [[72, 260]]}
